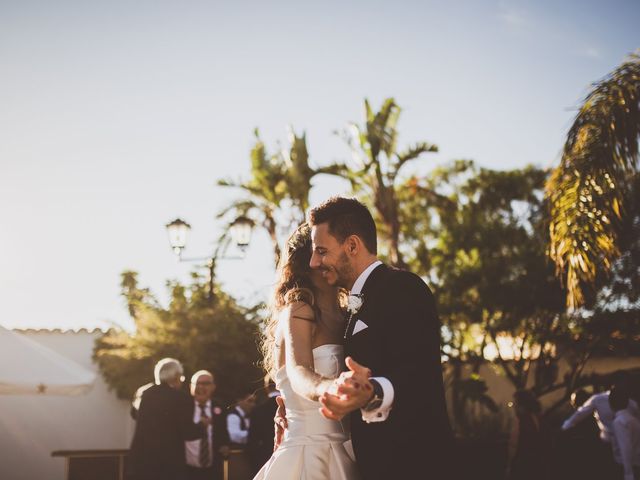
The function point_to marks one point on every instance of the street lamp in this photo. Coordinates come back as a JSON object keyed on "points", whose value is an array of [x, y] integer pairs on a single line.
{"points": [[240, 231], [178, 231]]}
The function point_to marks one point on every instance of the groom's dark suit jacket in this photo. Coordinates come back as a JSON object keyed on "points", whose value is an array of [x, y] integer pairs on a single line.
{"points": [[402, 343]]}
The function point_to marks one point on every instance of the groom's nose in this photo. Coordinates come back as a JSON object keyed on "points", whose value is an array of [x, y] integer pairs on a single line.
{"points": [[315, 261]]}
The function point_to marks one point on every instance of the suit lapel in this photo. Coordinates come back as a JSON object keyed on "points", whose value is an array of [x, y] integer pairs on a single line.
{"points": [[350, 326], [368, 292], [375, 276]]}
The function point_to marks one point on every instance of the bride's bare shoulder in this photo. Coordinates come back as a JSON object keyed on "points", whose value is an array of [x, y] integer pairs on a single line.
{"points": [[298, 309]]}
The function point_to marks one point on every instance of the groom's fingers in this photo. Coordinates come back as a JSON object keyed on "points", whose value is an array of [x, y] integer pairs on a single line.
{"points": [[279, 423], [281, 413], [356, 368], [339, 406], [329, 409], [330, 415], [348, 387]]}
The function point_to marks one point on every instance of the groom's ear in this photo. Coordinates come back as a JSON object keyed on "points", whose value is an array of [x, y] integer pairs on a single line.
{"points": [[353, 244]]}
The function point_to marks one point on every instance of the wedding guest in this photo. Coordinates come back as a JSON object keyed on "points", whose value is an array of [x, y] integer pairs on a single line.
{"points": [[529, 444], [598, 406], [164, 422], [205, 456], [625, 438], [238, 420], [260, 443], [580, 452], [137, 398]]}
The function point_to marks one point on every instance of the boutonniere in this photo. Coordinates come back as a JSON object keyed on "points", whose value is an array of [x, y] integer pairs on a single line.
{"points": [[217, 411], [354, 302]]}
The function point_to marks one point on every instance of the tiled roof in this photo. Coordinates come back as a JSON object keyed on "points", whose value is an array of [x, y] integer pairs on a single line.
{"points": [[59, 330]]}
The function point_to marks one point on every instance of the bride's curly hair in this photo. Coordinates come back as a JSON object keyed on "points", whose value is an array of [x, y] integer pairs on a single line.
{"points": [[293, 285]]}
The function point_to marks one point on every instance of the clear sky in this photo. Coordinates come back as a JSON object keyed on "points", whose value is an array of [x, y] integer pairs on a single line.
{"points": [[116, 117]]}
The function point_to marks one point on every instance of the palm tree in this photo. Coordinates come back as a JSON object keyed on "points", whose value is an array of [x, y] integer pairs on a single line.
{"points": [[299, 174], [266, 189], [278, 189], [590, 191], [374, 147]]}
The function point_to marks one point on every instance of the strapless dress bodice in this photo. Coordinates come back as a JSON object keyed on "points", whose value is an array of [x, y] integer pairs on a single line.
{"points": [[314, 448], [303, 416]]}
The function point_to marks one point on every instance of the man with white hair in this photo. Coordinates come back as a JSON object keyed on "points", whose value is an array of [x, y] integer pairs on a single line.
{"points": [[205, 456], [164, 422]]}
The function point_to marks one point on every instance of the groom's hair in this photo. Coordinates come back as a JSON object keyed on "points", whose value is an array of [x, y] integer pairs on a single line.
{"points": [[345, 217]]}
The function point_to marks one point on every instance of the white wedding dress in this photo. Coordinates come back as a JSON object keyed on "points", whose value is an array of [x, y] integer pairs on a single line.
{"points": [[313, 447]]}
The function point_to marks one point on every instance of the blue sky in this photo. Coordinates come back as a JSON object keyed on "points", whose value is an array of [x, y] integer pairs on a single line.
{"points": [[119, 116]]}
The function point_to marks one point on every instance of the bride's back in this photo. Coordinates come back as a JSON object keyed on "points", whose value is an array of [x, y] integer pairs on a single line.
{"points": [[328, 325]]}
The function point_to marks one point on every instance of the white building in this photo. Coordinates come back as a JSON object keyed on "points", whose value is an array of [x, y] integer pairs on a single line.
{"points": [[32, 426]]}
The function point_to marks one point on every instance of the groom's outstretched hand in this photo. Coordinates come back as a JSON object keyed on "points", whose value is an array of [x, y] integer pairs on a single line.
{"points": [[351, 391], [279, 423]]}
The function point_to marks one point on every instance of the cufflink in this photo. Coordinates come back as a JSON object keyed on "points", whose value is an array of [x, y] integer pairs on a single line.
{"points": [[378, 396]]}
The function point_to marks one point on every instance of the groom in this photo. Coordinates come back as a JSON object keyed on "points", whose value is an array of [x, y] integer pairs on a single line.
{"points": [[393, 389]]}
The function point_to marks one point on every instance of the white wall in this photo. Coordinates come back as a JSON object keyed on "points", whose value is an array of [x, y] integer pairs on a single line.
{"points": [[501, 390], [33, 426]]}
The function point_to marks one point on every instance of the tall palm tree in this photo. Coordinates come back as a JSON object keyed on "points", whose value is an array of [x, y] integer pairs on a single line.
{"points": [[590, 191], [374, 147]]}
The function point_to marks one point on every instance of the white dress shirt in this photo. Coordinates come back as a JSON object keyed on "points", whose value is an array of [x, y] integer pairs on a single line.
{"points": [[382, 413], [625, 441], [234, 426], [192, 447], [598, 406]]}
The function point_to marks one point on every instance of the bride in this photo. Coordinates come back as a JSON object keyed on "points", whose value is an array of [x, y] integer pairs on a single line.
{"points": [[303, 351]]}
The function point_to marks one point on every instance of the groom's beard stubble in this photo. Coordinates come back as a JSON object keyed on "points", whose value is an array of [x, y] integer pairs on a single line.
{"points": [[344, 272]]}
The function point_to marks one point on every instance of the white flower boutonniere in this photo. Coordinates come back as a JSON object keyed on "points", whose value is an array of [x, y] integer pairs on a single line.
{"points": [[354, 303]]}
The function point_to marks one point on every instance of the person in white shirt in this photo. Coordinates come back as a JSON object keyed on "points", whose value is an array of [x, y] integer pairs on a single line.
{"points": [[205, 457], [238, 420], [625, 438], [598, 406]]}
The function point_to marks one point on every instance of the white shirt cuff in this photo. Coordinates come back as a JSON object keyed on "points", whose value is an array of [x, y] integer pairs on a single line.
{"points": [[382, 413]]}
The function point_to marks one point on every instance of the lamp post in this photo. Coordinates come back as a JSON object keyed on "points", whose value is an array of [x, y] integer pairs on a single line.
{"points": [[240, 231]]}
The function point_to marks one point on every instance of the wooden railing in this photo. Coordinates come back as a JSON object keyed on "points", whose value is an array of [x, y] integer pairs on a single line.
{"points": [[111, 464], [93, 464]]}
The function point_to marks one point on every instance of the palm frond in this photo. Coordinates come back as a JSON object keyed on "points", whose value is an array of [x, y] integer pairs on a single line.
{"points": [[227, 182], [298, 173], [410, 154], [240, 207], [381, 131]]}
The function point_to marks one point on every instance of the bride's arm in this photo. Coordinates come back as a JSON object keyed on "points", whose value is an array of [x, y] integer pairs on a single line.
{"points": [[298, 326]]}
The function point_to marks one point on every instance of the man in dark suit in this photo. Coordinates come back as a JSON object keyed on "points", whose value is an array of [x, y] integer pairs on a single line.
{"points": [[164, 422], [393, 390], [205, 456], [260, 444]]}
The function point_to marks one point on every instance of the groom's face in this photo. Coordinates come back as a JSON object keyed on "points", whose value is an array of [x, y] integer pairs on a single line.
{"points": [[330, 258]]}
